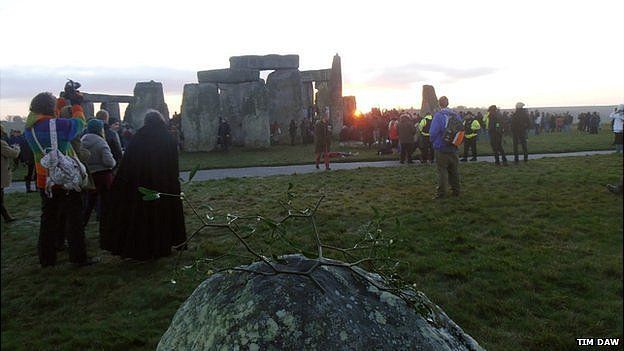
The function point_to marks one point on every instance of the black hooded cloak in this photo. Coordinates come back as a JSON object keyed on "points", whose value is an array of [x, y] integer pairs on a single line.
{"points": [[132, 227]]}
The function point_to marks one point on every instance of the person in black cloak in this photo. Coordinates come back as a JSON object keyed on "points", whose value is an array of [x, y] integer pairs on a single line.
{"points": [[132, 227]]}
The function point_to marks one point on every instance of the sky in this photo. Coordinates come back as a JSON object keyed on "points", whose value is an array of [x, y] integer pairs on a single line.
{"points": [[478, 53]]}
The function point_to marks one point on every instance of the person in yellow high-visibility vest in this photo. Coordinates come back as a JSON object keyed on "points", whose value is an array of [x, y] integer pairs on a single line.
{"points": [[426, 152], [471, 126]]}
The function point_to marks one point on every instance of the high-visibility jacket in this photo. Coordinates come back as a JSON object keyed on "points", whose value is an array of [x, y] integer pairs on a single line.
{"points": [[425, 125], [486, 119], [471, 128]]}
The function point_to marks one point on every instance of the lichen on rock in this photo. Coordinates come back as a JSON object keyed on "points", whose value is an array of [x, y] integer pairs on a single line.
{"points": [[241, 310]]}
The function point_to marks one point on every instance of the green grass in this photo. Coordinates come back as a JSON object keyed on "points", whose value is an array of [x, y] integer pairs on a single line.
{"points": [[528, 258], [280, 155]]}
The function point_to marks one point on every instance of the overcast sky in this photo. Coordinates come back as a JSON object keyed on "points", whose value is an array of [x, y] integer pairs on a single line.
{"points": [[476, 52]]}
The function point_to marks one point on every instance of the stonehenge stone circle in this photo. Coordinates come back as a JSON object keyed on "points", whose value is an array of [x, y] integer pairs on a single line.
{"points": [[250, 105]]}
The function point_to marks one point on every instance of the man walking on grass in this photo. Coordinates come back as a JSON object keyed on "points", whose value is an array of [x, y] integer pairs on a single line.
{"points": [[446, 157]]}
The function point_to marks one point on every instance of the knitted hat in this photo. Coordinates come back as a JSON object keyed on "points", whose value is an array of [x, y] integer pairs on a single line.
{"points": [[519, 105], [95, 126]]}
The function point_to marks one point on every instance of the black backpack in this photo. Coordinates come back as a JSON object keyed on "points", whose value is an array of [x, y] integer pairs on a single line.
{"points": [[454, 128]]}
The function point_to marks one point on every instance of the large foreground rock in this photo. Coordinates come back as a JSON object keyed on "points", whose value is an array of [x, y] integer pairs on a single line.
{"points": [[244, 311]]}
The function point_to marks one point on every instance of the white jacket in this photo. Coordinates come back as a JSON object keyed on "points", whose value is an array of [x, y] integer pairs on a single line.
{"points": [[101, 158], [618, 121]]}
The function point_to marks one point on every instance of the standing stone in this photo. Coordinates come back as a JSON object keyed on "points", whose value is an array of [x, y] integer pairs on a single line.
{"points": [[112, 108], [284, 99], [322, 96], [335, 92], [244, 106], [147, 95], [307, 95], [429, 100], [256, 128], [200, 116], [89, 109]]}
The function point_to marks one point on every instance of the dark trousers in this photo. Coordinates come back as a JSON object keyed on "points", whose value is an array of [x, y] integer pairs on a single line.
{"points": [[30, 176], [103, 181], [426, 152], [5, 214], [325, 157], [470, 144], [62, 213], [406, 152], [520, 138], [496, 141], [448, 172]]}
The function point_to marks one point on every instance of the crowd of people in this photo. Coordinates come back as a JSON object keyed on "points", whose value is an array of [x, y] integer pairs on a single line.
{"points": [[100, 164], [82, 165]]}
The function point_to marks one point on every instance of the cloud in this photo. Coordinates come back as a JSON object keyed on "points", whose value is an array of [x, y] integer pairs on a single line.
{"points": [[402, 77], [24, 82]]}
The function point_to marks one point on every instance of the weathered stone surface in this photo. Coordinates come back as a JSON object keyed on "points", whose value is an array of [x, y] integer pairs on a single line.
{"points": [[266, 62], [244, 106], [322, 95], [112, 108], [88, 109], [307, 94], [335, 95], [200, 116], [147, 95], [319, 75], [240, 310], [429, 100], [107, 98], [228, 75], [256, 130], [284, 98]]}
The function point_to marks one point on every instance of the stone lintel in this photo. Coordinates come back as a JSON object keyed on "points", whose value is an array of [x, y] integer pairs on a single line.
{"points": [[107, 98], [228, 75], [266, 62], [319, 75]]}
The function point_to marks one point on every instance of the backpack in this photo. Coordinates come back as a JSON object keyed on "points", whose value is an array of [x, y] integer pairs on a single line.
{"points": [[63, 170], [454, 130]]}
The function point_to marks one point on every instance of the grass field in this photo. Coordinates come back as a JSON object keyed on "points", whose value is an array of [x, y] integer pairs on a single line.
{"points": [[279, 155], [528, 258]]}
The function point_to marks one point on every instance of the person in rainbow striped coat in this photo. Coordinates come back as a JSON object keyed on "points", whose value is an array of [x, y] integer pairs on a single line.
{"points": [[63, 210]]}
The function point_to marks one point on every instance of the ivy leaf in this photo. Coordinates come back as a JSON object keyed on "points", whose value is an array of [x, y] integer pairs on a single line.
{"points": [[193, 172], [146, 191], [151, 197]]}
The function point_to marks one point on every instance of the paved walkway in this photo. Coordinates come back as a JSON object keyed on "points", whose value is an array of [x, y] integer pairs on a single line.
{"points": [[210, 174]]}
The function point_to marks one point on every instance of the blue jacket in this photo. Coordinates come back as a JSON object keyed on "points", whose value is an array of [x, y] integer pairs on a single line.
{"points": [[438, 125]]}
